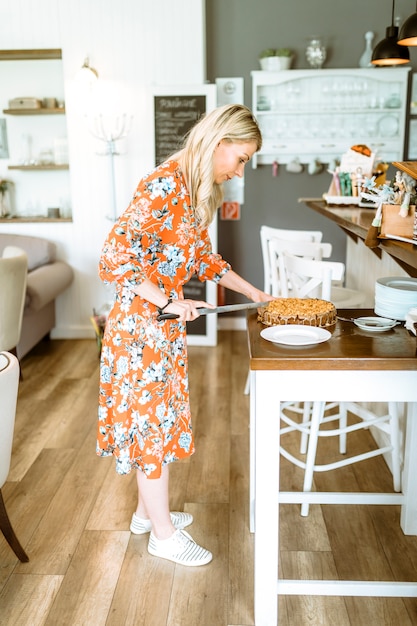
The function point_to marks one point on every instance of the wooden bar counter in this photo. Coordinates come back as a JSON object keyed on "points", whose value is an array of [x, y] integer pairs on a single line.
{"points": [[352, 365], [355, 221]]}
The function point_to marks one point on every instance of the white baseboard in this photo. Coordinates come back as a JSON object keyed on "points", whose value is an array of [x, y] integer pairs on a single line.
{"points": [[73, 332]]}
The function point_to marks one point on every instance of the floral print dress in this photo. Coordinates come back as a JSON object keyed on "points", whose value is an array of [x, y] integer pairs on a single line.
{"points": [[144, 413]]}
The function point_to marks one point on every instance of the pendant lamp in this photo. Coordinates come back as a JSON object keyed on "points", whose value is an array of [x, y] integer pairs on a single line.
{"points": [[387, 51], [408, 32]]}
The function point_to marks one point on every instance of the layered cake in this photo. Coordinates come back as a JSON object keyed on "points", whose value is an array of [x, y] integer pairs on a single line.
{"points": [[306, 311]]}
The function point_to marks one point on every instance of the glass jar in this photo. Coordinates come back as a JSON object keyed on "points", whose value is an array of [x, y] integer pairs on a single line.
{"points": [[263, 104], [316, 52]]}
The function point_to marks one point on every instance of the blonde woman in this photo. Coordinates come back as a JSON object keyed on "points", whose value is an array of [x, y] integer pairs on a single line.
{"points": [[159, 242]]}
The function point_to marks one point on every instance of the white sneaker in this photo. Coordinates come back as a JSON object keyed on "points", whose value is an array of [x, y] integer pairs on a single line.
{"points": [[140, 526], [180, 548]]}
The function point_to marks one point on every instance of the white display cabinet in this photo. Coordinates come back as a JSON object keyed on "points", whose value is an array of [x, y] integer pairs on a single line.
{"points": [[319, 114]]}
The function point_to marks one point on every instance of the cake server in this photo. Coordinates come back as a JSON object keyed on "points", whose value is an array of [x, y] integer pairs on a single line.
{"points": [[227, 308]]}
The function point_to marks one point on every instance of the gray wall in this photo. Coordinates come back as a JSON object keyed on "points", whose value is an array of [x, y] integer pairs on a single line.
{"points": [[237, 30]]}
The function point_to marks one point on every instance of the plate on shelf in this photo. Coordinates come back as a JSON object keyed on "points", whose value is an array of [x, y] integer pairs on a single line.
{"points": [[388, 126], [295, 334], [375, 324]]}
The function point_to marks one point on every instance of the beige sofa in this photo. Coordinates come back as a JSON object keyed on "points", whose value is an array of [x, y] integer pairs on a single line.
{"points": [[47, 278]]}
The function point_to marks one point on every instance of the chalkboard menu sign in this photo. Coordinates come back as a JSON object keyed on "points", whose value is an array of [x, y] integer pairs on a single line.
{"points": [[174, 117]]}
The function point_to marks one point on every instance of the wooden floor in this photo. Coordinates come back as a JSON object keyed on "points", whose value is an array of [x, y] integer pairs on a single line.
{"points": [[71, 512]]}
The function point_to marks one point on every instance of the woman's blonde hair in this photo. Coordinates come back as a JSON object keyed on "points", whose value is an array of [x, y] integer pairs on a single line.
{"points": [[232, 123]]}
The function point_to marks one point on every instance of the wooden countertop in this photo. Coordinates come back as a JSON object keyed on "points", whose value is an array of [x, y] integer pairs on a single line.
{"points": [[355, 221], [349, 348]]}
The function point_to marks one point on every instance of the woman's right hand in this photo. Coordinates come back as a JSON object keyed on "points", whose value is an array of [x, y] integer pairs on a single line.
{"points": [[187, 310]]}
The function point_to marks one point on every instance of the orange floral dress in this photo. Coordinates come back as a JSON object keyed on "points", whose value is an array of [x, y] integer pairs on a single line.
{"points": [[144, 412]]}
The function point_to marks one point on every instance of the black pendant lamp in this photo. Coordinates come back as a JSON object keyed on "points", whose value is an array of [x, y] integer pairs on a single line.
{"points": [[388, 52], [408, 32]]}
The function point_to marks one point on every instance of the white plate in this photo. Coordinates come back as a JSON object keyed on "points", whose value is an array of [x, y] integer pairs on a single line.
{"points": [[406, 239], [295, 334], [375, 324], [402, 283], [388, 126], [341, 199], [391, 313]]}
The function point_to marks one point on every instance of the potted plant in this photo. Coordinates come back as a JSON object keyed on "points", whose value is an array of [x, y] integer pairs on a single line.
{"points": [[275, 59]]}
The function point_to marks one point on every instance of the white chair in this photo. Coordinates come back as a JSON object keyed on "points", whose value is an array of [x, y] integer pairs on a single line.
{"points": [[269, 232], [13, 277], [311, 278], [305, 249], [311, 431], [271, 239], [9, 384]]}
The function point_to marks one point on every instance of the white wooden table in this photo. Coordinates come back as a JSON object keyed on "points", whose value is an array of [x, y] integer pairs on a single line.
{"points": [[351, 366]]}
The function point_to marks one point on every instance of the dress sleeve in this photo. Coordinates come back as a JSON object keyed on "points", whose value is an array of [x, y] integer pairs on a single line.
{"points": [[117, 263], [130, 251], [209, 265]]}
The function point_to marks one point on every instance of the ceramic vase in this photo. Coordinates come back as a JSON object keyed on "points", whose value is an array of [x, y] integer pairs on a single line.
{"points": [[365, 60]]}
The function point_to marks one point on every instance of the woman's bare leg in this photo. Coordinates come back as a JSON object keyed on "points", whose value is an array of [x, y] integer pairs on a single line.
{"points": [[153, 502]]}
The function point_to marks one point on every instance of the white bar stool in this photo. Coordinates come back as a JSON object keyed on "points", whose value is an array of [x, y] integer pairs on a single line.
{"points": [[311, 431]]}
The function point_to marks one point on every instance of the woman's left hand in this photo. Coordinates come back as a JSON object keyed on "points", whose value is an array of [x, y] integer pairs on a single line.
{"points": [[260, 296], [233, 281]]}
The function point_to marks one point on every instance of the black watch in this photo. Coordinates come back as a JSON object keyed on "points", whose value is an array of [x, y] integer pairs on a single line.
{"points": [[161, 309]]}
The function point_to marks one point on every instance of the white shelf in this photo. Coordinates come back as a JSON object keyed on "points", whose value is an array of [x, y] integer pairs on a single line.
{"points": [[48, 166]]}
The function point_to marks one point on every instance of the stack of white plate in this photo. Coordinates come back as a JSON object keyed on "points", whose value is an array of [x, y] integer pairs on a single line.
{"points": [[395, 296]]}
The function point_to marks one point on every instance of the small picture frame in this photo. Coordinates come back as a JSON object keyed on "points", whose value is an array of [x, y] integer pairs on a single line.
{"points": [[4, 148]]}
